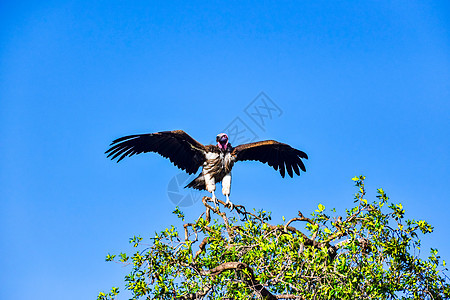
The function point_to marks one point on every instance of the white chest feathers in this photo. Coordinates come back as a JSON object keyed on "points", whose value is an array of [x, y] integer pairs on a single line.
{"points": [[218, 162], [227, 160], [211, 156]]}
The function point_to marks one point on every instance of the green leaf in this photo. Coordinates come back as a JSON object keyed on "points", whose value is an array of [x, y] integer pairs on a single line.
{"points": [[321, 208]]}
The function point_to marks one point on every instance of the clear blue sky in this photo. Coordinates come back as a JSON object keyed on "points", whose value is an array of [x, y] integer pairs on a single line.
{"points": [[363, 89]]}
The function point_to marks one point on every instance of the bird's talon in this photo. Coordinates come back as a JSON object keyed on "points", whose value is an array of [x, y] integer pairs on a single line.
{"points": [[229, 204]]}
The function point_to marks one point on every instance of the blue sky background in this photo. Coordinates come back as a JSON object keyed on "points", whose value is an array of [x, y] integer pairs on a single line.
{"points": [[364, 89]]}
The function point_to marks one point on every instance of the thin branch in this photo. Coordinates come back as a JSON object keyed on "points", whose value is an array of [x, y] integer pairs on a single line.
{"points": [[251, 282], [198, 295], [201, 247]]}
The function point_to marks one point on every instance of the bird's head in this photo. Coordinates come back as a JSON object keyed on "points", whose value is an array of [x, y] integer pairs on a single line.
{"points": [[222, 141]]}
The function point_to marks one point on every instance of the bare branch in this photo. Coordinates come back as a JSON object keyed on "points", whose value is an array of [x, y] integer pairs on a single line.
{"points": [[251, 282], [201, 247], [197, 295]]}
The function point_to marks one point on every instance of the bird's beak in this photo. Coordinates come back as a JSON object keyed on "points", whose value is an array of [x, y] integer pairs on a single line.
{"points": [[223, 139]]}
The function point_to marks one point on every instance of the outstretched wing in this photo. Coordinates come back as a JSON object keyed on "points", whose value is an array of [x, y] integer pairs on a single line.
{"points": [[275, 154], [182, 150]]}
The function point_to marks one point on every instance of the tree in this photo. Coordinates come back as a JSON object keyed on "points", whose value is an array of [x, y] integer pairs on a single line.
{"points": [[372, 252]]}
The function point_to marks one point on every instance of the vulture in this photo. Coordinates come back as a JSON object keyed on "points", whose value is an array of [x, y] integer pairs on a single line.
{"points": [[216, 160]]}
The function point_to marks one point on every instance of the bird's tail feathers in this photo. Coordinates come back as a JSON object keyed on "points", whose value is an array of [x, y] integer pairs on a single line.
{"points": [[198, 183]]}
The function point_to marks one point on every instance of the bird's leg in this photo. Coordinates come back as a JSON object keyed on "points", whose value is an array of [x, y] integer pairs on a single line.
{"points": [[229, 202], [214, 199], [226, 188], [211, 186]]}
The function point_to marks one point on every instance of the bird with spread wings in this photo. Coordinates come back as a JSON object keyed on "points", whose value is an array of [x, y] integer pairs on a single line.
{"points": [[216, 160]]}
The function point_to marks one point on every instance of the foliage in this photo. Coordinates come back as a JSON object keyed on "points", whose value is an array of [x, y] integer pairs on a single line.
{"points": [[372, 252]]}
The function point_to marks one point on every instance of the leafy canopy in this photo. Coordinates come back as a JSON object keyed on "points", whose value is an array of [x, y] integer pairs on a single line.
{"points": [[371, 252]]}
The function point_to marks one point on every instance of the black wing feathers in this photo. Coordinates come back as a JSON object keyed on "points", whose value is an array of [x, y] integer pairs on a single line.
{"points": [[180, 148], [280, 156]]}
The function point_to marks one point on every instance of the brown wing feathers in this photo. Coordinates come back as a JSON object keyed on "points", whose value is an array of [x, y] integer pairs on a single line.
{"points": [[180, 148], [188, 154], [280, 156]]}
